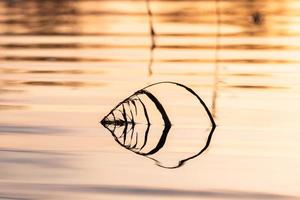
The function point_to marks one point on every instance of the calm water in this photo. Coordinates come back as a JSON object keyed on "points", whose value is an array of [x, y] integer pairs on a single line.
{"points": [[65, 64]]}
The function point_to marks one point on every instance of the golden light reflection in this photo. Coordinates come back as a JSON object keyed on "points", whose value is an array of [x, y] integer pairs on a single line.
{"points": [[64, 63]]}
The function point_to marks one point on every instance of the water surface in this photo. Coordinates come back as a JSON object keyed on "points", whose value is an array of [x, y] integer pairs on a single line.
{"points": [[65, 64]]}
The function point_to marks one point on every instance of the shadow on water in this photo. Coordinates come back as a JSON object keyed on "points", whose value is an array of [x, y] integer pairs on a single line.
{"points": [[140, 191], [13, 197], [18, 129], [123, 117]]}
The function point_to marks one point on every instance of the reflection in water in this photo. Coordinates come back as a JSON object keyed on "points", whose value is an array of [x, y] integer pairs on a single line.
{"points": [[167, 61], [65, 191], [217, 66], [152, 35], [257, 87], [70, 84], [40, 17], [11, 107], [61, 61], [140, 191], [18, 129], [121, 121], [74, 84], [257, 18]]}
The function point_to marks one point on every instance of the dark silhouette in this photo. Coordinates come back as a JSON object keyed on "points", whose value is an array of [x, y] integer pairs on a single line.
{"points": [[128, 123], [257, 18]]}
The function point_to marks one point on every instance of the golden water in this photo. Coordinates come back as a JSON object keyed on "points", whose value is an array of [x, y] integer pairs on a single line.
{"points": [[65, 64]]}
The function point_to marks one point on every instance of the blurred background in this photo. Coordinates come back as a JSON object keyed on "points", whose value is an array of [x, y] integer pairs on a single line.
{"points": [[65, 63]]}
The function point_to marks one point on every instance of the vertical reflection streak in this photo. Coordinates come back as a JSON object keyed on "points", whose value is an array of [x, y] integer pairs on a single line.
{"points": [[152, 36], [217, 52]]}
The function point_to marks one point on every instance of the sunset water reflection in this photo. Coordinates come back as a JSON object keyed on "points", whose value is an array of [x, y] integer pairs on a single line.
{"points": [[65, 63]]}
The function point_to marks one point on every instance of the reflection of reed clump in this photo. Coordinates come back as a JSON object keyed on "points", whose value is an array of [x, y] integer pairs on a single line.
{"points": [[130, 122]]}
